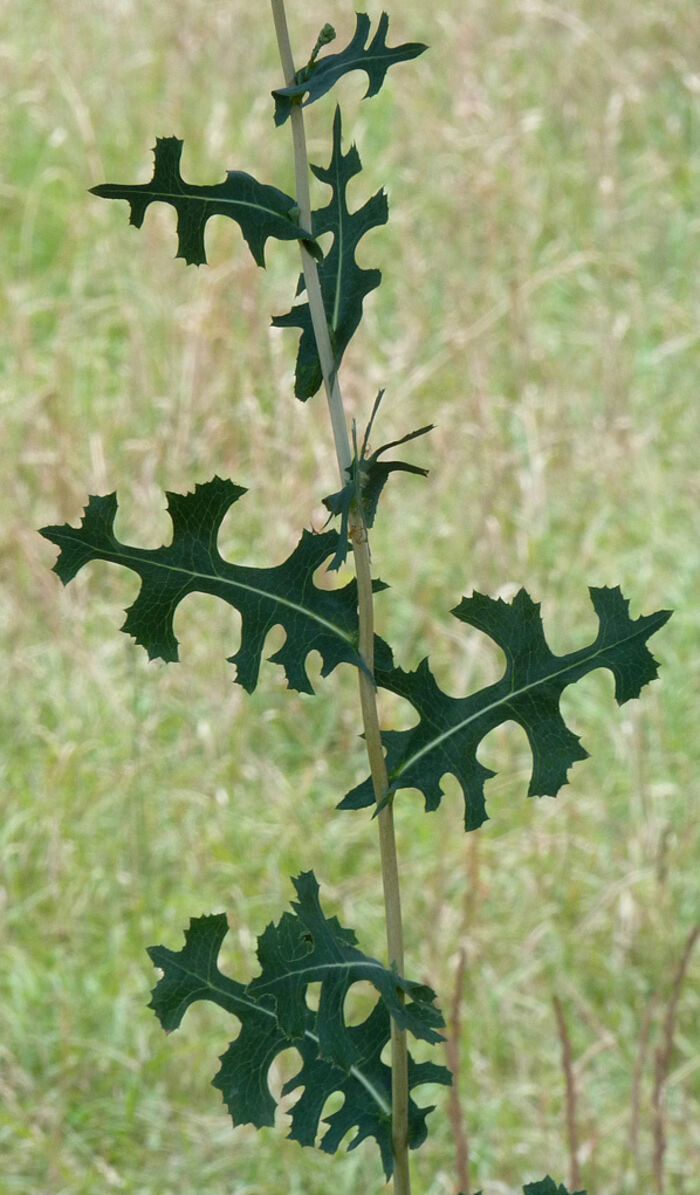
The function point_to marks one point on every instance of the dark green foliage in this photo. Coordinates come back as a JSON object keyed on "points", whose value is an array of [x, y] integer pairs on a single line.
{"points": [[304, 947], [344, 284], [319, 75], [449, 730], [314, 619], [545, 1186], [260, 210]]}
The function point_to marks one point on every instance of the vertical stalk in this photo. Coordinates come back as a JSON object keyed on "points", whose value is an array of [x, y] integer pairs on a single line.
{"points": [[361, 553], [389, 858], [311, 279]]}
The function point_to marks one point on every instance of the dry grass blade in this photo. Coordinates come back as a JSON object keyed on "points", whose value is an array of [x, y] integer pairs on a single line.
{"points": [[662, 1062]]}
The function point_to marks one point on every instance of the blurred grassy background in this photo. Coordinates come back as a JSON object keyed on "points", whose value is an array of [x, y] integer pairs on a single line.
{"points": [[540, 304]]}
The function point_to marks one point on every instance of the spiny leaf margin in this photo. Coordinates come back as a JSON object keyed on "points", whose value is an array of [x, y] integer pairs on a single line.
{"points": [[344, 284], [314, 619], [320, 74], [450, 729], [260, 210], [304, 947]]}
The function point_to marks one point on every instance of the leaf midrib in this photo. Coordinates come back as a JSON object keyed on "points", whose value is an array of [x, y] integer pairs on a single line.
{"points": [[506, 699], [126, 561], [340, 244], [207, 985], [356, 63], [178, 196]]}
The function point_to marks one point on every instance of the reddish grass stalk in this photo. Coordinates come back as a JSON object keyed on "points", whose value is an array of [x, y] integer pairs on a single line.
{"points": [[454, 1110], [567, 1066], [662, 1063], [635, 1099]]}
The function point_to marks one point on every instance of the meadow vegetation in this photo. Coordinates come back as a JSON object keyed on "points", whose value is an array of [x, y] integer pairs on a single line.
{"points": [[540, 304]]}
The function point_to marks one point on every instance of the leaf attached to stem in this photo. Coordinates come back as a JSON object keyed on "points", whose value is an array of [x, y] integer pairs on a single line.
{"points": [[305, 947], [314, 619], [260, 210], [449, 730], [320, 74]]}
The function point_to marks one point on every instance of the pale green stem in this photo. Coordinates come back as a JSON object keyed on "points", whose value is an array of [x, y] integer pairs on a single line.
{"points": [[311, 279], [360, 543]]}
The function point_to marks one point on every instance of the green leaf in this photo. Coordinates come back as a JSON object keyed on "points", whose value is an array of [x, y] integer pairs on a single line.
{"points": [[260, 210], [547, 1186], [314, 619], [449, 730], [344, 284], [304, 947], [315, 79]]}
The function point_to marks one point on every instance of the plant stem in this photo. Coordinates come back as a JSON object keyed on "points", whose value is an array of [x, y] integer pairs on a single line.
{"points": [[389, 859], [311, 279], [365, 602]]}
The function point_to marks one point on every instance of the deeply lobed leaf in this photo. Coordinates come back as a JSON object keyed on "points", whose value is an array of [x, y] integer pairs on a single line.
{"points": [[261, 210], [344, 284], [304, 947], [314, 619], [322, 73], [324, 941], [449, 730]]}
